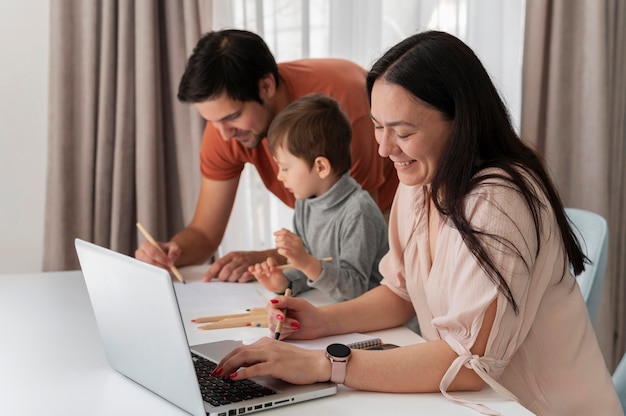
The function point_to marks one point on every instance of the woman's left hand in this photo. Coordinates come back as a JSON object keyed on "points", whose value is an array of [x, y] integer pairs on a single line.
{"points": [[268, 357]]}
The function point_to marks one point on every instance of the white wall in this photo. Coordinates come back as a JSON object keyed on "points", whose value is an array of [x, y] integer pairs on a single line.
{"points": [[23, 132]]}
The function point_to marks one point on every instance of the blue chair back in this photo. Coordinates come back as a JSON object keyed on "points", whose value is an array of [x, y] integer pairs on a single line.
{"points": [[593, 235], [619, 379]]}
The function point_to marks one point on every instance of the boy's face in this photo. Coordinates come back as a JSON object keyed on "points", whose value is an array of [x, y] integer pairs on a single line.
{"points": [[296, 175]]}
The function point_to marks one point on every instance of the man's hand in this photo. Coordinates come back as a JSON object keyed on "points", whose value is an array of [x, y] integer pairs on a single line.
{"points": [[150, 254], [233, 267]]}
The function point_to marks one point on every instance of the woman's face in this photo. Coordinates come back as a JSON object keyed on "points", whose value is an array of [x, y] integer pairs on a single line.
{"points": [[409, 132]]}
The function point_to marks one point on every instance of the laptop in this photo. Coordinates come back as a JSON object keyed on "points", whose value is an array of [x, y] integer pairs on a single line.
{"points": [[144, 339]]}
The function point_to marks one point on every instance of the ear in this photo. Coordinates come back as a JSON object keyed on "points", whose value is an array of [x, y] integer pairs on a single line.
{"points": [[322, 167], [267, 87]]}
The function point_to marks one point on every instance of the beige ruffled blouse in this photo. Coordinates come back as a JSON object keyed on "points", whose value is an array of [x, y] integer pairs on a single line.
{"points": [[546, 356]]}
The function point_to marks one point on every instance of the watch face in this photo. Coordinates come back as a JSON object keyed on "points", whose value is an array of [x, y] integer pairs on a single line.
{"points": [[338, 350]]}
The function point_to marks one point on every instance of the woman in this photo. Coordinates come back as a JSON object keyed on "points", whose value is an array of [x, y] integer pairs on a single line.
{"points": [[480, 251]]}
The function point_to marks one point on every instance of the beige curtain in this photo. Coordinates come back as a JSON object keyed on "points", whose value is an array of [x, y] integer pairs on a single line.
{"points": [[122, 149], [574, 113]]}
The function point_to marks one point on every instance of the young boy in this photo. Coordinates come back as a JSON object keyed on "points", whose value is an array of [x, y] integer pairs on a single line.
{"points": [[334, 217]]}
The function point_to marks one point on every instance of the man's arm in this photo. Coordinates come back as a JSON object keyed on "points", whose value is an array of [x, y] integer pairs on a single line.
{"points": [[201, 238], [197, 242]]}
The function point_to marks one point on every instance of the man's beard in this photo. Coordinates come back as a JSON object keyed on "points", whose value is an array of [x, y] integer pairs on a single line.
{"points": [[252, 140]]}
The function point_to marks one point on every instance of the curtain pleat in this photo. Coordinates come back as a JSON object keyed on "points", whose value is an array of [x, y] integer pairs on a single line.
{"points": [[616, 39], [122, 148], [569, 98]]}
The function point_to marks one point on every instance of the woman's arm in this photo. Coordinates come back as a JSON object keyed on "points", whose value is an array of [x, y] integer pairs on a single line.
{"points": [[415, 368], [376, 309]]}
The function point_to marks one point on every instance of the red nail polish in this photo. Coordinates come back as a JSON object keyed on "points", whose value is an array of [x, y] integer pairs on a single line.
{"points": [[217, 372], [233, 375], [280, 317], [295, 325], [274, 301]]}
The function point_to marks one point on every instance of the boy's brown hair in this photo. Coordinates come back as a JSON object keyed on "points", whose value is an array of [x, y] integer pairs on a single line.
{"points": [[313, 126]]}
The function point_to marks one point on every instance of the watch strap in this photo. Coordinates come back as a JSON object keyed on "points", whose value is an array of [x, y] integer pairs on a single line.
{"points": [[338, 370]]}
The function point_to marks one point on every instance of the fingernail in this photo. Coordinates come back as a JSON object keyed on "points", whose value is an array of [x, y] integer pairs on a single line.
{"points": [[295, 325], [274, 301], [233, 375], [280, 317], [217, 371]]}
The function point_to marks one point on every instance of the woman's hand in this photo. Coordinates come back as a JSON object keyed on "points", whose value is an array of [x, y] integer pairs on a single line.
{"points": [[268, 357], [303, 320]]}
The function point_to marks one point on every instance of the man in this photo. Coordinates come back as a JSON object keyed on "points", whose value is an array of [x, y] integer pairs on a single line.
{"points": [[235, 84]]}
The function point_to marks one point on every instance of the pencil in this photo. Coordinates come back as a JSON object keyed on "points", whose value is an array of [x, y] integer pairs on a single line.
{"points": [[279, 326], [253, 321], [289, 266], [252, 312], [158, 247]]}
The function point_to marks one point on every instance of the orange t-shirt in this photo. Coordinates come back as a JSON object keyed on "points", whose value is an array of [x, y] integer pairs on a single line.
{"points": [[340, 79]]}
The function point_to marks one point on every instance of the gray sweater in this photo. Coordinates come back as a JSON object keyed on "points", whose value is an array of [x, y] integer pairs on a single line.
{"points": [[346, 224]]}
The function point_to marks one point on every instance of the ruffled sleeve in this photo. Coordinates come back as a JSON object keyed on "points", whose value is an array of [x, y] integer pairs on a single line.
{"points": [[460, 291]]}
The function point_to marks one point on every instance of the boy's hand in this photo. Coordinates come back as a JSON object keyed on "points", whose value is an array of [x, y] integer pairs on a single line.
{"points": [[269, 275], [290, 245]]}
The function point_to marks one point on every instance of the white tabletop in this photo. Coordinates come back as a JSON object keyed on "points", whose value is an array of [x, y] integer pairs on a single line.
{"points": [[52, 361]]}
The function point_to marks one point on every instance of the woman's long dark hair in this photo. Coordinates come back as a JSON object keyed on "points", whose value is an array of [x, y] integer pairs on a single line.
{"points": [[442, 71]]}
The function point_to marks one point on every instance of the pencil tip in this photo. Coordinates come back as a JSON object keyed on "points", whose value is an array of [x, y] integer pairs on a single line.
{"points": [[277, 335], [184, 282]]}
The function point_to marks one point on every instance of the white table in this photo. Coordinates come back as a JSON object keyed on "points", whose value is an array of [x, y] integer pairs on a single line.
{"points": [[52, 361]]}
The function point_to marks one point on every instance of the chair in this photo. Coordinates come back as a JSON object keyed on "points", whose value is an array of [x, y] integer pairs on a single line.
{"points": [[619, 379], [593, 235]]}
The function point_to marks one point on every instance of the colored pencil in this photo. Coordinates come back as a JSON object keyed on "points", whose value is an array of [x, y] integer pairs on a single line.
{"points": [[158, 247], [279, 326], [256, 312], [253, 321], [289, 266]]}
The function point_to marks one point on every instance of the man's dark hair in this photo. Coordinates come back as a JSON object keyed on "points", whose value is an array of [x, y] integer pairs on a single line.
{"points": [[231, 61]]}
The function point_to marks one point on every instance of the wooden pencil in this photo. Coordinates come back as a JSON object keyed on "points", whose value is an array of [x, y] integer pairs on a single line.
{"points": [[279, 325], [252, 312], [289, 266], [156, 245], [254, 321]]}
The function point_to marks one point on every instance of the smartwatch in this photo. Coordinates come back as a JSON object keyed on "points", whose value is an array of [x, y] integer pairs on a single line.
{"points": [[338, 354]]}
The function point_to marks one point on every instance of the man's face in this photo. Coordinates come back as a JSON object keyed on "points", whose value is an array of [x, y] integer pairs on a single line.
{"points": [[244, 121]]}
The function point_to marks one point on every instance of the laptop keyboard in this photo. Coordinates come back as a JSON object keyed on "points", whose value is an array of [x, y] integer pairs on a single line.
{"points": [[217, 391]]}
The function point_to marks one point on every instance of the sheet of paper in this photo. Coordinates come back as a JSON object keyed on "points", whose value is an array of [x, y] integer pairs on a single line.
{"points": [[197, 299], [217, 298]]}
